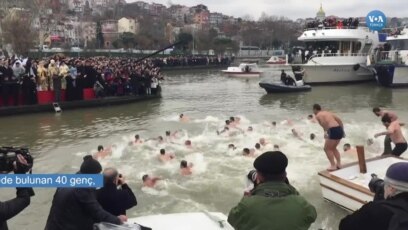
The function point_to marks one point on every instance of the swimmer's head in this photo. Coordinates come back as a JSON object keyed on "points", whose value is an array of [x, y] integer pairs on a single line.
{"points": [[312, 136], [275, 147], [187, 143], [227, 122], [232, 119], [250, 129], [160, 138], [273, 123], [162, 151], [370, 141], [246, 151], [137, 137], [377, 111], [262, 141], [145, 177], [386, 120], [316, 108], [231, 146], [346, 147], [183, 164], [100, 148], [181, 115], [257, 146], [310, 117], [294, 131], [168, 133]]}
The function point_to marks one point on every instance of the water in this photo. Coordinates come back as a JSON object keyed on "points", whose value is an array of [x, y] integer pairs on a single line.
{"points": [[59, 141]]}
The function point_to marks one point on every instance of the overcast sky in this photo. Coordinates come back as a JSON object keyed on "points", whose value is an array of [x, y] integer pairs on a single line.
{"points": [[297, 8]]}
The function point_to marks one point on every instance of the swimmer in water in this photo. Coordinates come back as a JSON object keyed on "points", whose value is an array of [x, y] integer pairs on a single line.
{"points": [[188, 144], [250, 129], [393, 116], [102, 153], [258, 146], [232, 146], [263, 142], [186, 168], [311, 118], [149, 181], [164, 157], [296, 134], [348, 149], [184, 118], [276, 148], [333, 132], [237, 120], [248, 153], [137, 139], [226, 127], [312, 136]]}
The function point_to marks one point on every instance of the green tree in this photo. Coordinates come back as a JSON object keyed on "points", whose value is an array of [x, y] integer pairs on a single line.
{"points": [[185, 39], [18, 32], [128, 40], [99, 35]]}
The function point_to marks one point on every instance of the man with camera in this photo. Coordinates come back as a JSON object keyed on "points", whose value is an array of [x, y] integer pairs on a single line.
{"points": [[21, 162], [273, 204], [78, 208], [388, 214], [115, 201]]}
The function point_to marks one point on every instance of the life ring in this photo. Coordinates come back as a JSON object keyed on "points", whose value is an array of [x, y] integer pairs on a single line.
{"points": [[356, 67]]}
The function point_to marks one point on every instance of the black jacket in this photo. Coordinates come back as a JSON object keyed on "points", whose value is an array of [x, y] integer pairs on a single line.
{"points": [[116, 201], [374, 215], [77, 209], [13, 207]]}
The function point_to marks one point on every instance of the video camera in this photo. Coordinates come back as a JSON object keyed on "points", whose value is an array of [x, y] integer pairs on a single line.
{"points": [[8, 155], [376, 186]]}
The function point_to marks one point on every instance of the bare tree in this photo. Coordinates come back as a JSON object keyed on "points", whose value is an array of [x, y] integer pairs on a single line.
{"points": [[18, 32]]}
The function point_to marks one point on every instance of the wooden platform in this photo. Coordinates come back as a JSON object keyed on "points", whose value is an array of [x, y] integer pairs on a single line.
{"points": [[69, 105]]}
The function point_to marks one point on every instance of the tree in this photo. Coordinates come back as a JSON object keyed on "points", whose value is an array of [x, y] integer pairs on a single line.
{"points": [[128, 40], [185, 39], [18, 32], [99, 35], [223, 44]]}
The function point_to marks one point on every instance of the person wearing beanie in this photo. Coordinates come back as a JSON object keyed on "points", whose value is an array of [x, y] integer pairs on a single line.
{"points": [[78, 208], [273, 204], [391, 213]]}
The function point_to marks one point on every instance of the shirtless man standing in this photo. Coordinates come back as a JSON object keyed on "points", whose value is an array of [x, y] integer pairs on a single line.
{"points": [[395, 133], [334, 132], [387, 140]]}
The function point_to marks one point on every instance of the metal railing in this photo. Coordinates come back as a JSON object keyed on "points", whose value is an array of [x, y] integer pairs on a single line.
{"points": [[393, 56], [337, 28]]}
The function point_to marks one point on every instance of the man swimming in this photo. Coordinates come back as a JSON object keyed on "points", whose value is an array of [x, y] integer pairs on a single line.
{"points": [[348, 149], [387, 140], [102, 153], [312, 136], [311, 118], [226, 127], [184, 118], [250, 129], [232, 147], [188, 144], [137, 139], [296, 134], [276, 148], [395, 133], [248, 153], [333, 133], [149, 181], [186, 168], [164, 157]]}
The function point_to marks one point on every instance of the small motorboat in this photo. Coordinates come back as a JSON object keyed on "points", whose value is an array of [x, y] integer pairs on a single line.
{"points": [[279, 87], [244, 70], [348, 186], [176, 221]]}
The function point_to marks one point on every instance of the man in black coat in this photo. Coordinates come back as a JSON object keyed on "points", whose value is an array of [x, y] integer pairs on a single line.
{"points": [[115, 201], [391, 213], [77, 208], [11, 208]]}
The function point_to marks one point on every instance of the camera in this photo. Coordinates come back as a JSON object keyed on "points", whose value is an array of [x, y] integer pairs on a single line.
{"points": [[8, 155], [376, 186]]}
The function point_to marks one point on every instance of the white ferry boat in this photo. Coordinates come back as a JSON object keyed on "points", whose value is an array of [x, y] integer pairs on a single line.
{"points": [[392, 66], [335, 55]]}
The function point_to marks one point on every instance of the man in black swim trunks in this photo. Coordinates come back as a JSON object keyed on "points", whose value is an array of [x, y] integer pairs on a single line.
{"points": [[395, 133], [334, 132]]}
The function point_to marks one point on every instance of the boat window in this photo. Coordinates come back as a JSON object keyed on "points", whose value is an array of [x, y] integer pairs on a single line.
{"points": [[399, 44], [356, 47], [326, 46], [345, 47]]}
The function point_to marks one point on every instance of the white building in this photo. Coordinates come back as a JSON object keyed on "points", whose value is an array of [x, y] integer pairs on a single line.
{"points": [[129, 25]]}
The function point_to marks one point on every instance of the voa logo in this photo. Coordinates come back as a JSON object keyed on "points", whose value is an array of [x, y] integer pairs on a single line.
{"points": [[376, 20]]}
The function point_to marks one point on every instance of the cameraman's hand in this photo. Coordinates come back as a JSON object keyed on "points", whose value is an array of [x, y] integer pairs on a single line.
{"points": [[123, 218], [20, 165], [121, 180]]}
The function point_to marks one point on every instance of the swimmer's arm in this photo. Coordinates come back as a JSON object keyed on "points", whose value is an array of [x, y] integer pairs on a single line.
{"points": [[383, 133]]}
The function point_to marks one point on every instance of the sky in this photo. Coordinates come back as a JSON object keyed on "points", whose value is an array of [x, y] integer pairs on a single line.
{"points": [[297, 8]]}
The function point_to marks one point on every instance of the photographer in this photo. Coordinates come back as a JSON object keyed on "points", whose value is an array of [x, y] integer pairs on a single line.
{"points": [[113, 200], [11, 208], [391, 213], [273, 204]]}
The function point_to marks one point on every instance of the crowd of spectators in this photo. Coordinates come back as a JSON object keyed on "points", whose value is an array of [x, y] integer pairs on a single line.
{"points": [[22, 79], [350, 23]]}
